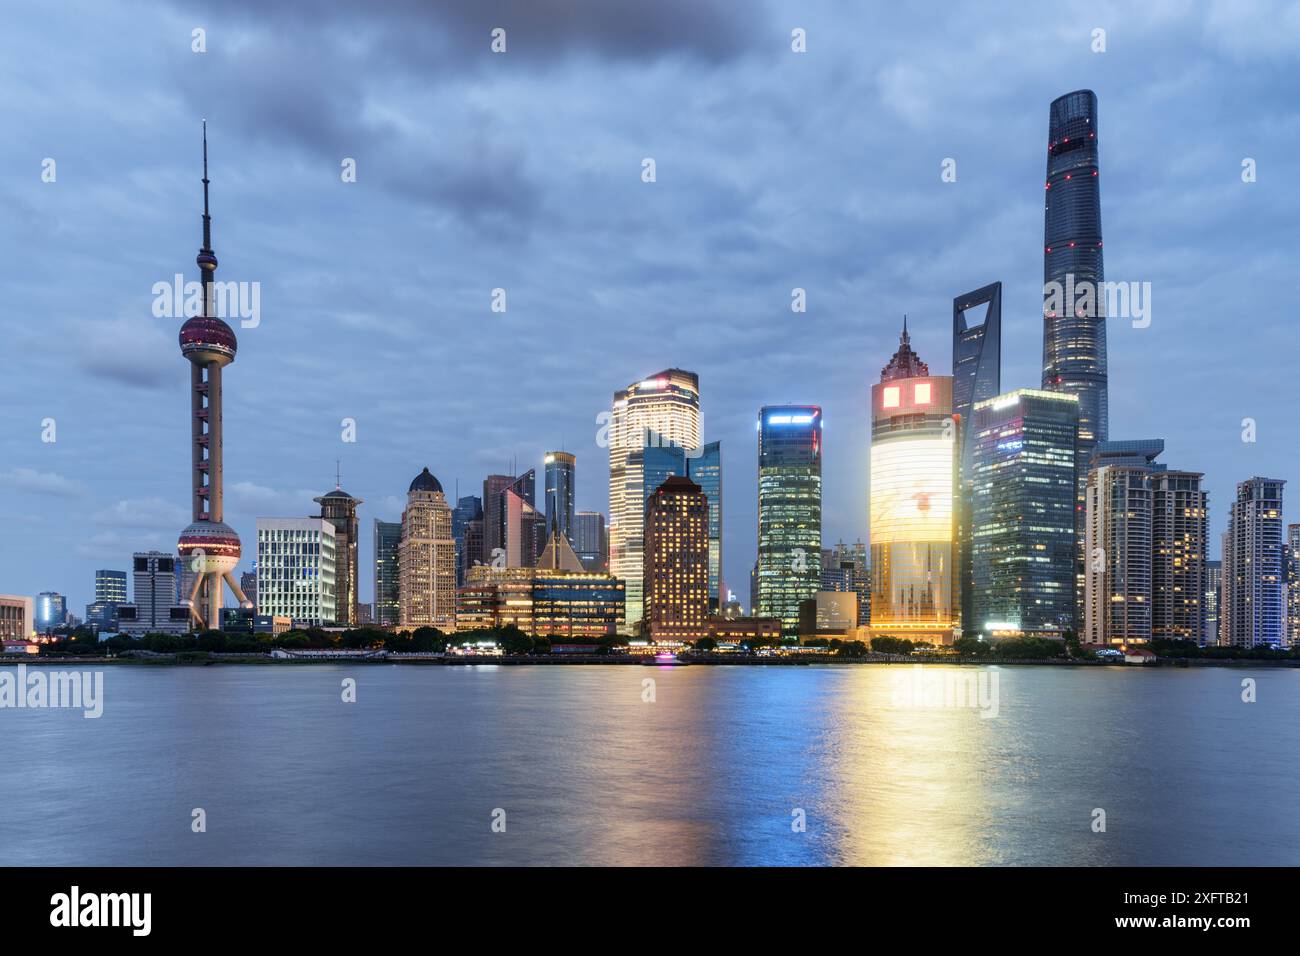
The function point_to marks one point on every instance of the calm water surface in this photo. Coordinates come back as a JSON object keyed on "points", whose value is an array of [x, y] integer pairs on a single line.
{"points": [[708, 773]]}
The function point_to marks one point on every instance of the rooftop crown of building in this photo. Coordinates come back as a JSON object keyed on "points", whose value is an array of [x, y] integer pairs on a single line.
{"points": [[905, 363]]}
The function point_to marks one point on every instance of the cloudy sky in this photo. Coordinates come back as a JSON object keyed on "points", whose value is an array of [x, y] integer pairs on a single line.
{"points": [[522, 171]]}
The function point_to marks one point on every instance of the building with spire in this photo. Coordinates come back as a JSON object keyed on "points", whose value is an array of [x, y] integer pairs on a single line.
{"points": [[914, 463], [209, 546], [340, 509], [426, 558]]}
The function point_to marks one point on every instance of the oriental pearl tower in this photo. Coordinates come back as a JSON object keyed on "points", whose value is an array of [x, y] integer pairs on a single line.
{"points": [[209, 546]]}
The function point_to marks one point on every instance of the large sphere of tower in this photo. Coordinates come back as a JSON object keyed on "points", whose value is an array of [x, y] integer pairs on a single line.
{"points": [[209, 547], [207, 339]]}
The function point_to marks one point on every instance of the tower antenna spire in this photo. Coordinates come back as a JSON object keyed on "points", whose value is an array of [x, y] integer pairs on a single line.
{"points": [[207, 259]]}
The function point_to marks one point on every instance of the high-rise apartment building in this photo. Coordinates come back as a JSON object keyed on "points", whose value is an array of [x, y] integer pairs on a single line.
{"points": [[427, 558], [1180, 536], [676, 572], [1022, 492], [1253, 610], [1292, 585], [789, 510], [1213, 600], [659, 412]]}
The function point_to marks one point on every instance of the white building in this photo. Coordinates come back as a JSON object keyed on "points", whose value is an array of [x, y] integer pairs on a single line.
{"points": [[295, 569]]}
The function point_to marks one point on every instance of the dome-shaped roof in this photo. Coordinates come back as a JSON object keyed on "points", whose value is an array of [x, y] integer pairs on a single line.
{"points": [[425, 482], [207, 337], [336, 493]]}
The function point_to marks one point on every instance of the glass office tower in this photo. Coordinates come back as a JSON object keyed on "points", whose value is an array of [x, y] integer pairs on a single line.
{"points": [[388, 536], [789, 510], [559, 475], [704, 467], [1022, 486]]}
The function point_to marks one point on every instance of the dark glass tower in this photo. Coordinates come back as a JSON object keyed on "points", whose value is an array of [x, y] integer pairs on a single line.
{"points": [[976, 377], [789, 510], [1074, 338], [560, 467]]}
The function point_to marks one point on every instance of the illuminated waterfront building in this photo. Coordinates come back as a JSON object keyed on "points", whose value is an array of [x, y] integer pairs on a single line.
{"points": [[560, 471], [976, 377], [659, 412], [1213, 600], [426, 558], [1253, 611], [1180, 538], [296, 561], [494, 523], [704, 467], [789, 510], [1022, 493], [845, 568], [676, 572], [153, 606], [340, 509], [914, 449], [1119, 543], [51, 611], [1293, 585], [388, 541], [556, 598], [17, 621]]}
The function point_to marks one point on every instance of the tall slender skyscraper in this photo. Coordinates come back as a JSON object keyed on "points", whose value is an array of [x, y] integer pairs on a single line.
{"points": [[1253, 611], [467, 529], [789, 510], [976, 377], [340, 509], [705, 469], [209, 546], [1180, 536], [914, 449], [1293, 585], [1074, 324], [659, 412], [427, 557], [388, 540], [590, 540], [560, 470], [676, 561]]}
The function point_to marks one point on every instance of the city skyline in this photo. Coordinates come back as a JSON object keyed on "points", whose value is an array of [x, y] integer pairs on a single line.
{"points": [[281, 446]]}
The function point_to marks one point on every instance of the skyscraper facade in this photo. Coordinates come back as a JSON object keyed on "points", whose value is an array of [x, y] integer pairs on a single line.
{"points": [[153, 606], [388, 540], [494, 522], [1180, 538], [51, 610], [845, 568], [676, 572], [1253, 611], [469, 509], [209, 546], [660, 412], [704, 467], [1074, 328], [591, 543], [1119, 542], [1293, 585], [427, 558], [1213, 600], [789, 510], [296, 576], [560, 472], [976, 377], [340, 509], [110, 586], [914, 449], [1022, 487]]}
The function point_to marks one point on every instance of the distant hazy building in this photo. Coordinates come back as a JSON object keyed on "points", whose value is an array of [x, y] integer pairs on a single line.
{"points": [[1293, 585], [845, 568], [296, 561], [658, 412], [789, 510], [388, 539], [914, 465], [1119, 543], [1213, 600], [829, 614], [1253, 611], [1180, 538], [17, 618], [154, 607], [494, 519], [524, 527], [560, 472], [676, 572], [340, 509], [1021, 489], [427, 557], [976, 377], [590, 541], [469, 540], [51, 610]]}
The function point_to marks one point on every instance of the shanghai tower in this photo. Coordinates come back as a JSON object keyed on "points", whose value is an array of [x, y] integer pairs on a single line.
{"points": [[209, 546], [1074, 321]]}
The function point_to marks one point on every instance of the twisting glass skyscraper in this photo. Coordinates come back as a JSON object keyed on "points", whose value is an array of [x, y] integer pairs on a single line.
{"points": [[1074, 304]]}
